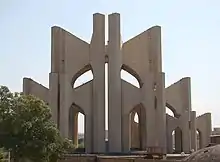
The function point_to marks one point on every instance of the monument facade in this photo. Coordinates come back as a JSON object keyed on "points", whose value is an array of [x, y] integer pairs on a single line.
{"points": [[141, 57]]}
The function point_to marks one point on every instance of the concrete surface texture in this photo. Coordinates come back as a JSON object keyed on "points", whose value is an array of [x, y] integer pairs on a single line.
{"points": [[209, 154], [141, 57]]}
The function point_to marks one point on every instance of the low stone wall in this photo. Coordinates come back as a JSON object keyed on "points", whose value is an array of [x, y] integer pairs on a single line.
{"points": [[94, 158]]}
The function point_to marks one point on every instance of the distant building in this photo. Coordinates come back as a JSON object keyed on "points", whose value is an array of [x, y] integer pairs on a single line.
{"points": [[215, 136]]}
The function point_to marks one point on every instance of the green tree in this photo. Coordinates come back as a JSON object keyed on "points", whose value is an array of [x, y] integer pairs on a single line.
{"points": [[26, 128], [1, 155]]}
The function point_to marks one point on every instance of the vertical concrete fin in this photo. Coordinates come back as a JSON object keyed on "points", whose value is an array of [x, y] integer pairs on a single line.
{"points": [[57, 47], [160, 111], [114, 31], [154, 35], [114, 68], [97, 60], [54, 99], [193, 130], [98, 25]]}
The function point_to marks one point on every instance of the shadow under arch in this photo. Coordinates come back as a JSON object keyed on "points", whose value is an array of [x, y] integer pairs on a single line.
{"points": [[177, 140], [74, 111], [80, 73], [176, 115], [137, 131], [133, 73]]}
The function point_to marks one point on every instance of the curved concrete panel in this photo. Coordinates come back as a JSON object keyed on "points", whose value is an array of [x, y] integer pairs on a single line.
{"points": [[178, 96], [140, 52]]}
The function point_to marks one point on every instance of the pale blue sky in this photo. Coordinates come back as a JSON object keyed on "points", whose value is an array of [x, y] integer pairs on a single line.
{"points": [[190, 28]]}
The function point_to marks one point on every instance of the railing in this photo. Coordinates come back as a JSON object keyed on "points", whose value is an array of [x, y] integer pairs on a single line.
{"points": [[155, 150]]}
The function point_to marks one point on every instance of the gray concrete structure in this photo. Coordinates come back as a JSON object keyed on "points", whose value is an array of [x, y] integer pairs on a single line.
{"points": [[141, 57]]}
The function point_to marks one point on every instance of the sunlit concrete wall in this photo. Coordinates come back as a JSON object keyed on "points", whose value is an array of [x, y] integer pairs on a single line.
{"points": [[204, 126], [32, 87], [140, 56]]}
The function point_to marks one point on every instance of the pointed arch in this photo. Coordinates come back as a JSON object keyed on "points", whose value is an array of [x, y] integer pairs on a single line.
{"points": [[83, 76], [177, 140], [134, 78], [137, 128], [136, 118], [76, 113], [173, 110], [169, 112]]}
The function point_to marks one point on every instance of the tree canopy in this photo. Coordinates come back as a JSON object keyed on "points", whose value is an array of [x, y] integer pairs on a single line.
{"points": [[26, 128]]}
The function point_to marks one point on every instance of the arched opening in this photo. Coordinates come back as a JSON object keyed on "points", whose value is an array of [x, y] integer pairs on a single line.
{"points": [[83, 76], [169, 112], [83, 79], [81, 130], [177, 140], [77, 127], [136, 118], [137, 125], [135, 131], [130, 76], [198, 140]]}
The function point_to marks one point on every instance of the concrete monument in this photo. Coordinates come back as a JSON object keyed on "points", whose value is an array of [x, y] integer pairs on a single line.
{"points": [[141, 57]]}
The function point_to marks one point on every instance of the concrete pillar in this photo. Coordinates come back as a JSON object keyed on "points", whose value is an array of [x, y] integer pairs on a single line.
{"points": [[97, 53], [71, 124], [148, 103], [114, 68], [126, 133], [88, 133], [169, 142], [65, 103], [133, 131], [75, 127], [54, 99], [185, 132], [138, 128], [160, 106], [193, 130], [142, 127]]}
